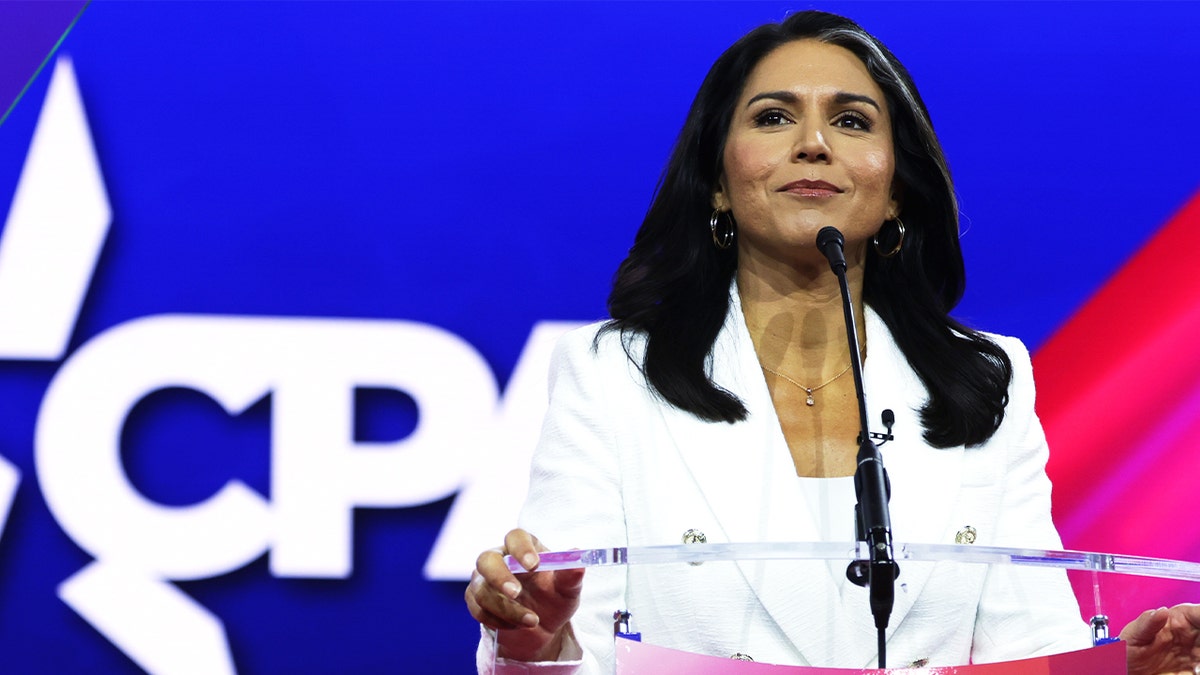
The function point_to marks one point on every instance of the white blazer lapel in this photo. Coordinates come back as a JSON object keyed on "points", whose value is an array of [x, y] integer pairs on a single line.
{"points": [[738, 467], [749, 483]]}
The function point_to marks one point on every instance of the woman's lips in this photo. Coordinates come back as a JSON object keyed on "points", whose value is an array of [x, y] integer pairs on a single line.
{"points": [[811, 188]]}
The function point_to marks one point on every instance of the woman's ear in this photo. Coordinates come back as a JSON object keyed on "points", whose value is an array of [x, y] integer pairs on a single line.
{"points": [[719, 201], [894, 203]]}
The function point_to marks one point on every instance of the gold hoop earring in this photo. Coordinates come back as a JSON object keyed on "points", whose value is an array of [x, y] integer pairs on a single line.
{"points": [[724, 238], [899, 240]]}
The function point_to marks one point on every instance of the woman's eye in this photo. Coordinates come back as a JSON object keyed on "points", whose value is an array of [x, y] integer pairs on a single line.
{"points": [[771, 118], [853, 120]]}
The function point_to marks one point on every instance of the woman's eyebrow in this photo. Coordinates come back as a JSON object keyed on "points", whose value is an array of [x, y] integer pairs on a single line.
{"points": [[847, 97], [785, 96], [841, 97]]}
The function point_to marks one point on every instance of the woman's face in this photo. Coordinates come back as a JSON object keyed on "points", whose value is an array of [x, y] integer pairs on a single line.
{"points": [[809, 145]]}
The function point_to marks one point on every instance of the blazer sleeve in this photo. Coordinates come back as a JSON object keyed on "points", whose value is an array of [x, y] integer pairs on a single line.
{"points": [[1025, 611], [574, 498]]}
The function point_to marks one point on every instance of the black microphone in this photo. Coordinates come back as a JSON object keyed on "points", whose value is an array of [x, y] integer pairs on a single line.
{"points": [[871, 486], [831, 241], [889, 420]]}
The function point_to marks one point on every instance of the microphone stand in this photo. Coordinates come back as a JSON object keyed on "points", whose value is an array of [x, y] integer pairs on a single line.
{"points": [[871, 486]]}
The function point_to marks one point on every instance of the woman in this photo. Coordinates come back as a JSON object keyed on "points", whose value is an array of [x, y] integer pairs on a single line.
{"points": [[718, 397]]}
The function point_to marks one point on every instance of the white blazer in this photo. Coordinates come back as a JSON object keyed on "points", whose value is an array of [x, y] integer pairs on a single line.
{"points": [[616, 466]]}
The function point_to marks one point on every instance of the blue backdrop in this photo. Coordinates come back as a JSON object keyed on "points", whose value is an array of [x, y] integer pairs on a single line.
{"points": [[480, 168]]}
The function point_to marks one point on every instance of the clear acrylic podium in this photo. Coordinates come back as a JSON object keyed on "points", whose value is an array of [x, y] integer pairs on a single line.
{"points": [[1099, 579]]}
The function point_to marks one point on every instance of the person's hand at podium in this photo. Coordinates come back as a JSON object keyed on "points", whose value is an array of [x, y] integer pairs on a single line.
{"points": [[1163, 641], [532, 609]]}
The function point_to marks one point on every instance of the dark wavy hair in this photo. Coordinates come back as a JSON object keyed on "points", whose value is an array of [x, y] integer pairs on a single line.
{"points": [[673, 288]]}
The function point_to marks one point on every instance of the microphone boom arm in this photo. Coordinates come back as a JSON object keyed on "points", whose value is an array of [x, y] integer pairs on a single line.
{"points": [[871, 485]]}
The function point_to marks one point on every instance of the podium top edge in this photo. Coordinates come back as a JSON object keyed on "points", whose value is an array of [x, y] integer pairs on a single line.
{"points": [[849, 551]]}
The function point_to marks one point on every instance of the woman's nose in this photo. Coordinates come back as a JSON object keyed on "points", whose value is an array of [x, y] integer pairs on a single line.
{"points": [[811, 145]]}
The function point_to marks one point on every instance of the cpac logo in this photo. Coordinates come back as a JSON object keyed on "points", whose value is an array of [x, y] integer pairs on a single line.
{"points": [[309, 367]]}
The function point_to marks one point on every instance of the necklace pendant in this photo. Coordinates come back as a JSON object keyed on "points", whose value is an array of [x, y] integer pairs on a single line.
{"points": [[810, 400]]}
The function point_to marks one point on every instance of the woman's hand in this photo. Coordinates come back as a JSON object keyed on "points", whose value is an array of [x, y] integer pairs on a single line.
{"points": [[1164, 641], [533, 610]]}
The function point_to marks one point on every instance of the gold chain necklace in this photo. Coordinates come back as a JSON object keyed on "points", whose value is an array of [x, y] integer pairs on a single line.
{"points": [[809, 390]]}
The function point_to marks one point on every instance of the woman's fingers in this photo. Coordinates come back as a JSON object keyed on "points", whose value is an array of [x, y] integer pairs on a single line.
{"points": [[1164, 641], [490, 565], [493, 592], [495, 609], [524, 547], [499, 599], [1145, 627]]}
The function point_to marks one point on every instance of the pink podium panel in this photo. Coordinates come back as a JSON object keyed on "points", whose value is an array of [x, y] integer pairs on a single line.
{"points": [[638, 658]]}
